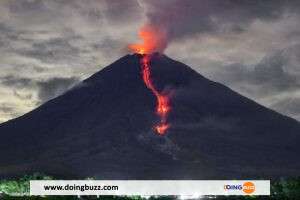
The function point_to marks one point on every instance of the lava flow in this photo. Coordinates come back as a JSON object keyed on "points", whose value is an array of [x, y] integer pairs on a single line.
{"points": [[163, 102], [153, 41]]}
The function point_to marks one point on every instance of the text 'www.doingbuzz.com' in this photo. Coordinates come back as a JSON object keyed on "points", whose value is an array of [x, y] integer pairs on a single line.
{"points": [[81, 188]]}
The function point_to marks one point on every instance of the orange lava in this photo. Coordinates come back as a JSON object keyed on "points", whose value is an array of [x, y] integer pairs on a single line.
{"points": [[161, 128], [163, 101], [153, 39]]}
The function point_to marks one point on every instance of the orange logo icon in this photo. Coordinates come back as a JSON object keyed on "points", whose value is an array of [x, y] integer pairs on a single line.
{"points": [[248, 187]]}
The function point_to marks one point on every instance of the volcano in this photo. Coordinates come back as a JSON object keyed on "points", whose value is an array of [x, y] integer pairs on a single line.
{"points": [[103, 128]]}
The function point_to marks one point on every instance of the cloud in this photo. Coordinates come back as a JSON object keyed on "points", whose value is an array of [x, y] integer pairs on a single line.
{"points": [[185, 18], [6, 108], [42, 42], [274, 71], [54, 87], [20, 95], [16, 82], [52, 50], [64, 32], [274, 81], [289, 106], [278, 70], [114, 11], [46, 89]]}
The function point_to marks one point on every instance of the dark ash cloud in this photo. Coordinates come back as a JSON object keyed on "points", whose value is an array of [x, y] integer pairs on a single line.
{"points": [[183, 19]]}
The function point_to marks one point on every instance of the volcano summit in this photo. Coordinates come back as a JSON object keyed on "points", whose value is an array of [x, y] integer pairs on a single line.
{"points": [[103, 128]]}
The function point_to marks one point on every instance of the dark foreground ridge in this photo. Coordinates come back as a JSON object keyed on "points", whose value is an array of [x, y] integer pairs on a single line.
{"points": [[103, 128]]}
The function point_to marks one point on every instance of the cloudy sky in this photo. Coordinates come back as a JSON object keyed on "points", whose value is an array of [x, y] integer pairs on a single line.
{"points": [[47, 46]]}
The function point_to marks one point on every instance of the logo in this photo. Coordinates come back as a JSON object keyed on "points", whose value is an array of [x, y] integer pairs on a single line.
{"points": [[247, 187]]}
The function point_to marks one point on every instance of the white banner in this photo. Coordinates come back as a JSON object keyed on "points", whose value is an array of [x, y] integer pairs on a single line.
{"points": [[150, 187]]}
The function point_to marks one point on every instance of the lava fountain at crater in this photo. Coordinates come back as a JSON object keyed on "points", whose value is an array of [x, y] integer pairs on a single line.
{"points": [[152, 41]]}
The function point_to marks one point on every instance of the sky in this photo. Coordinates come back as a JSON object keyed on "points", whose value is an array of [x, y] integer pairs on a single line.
{"points": [[48, 46]]}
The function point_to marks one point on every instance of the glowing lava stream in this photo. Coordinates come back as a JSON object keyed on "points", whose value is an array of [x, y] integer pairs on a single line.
{"points": [[163, 101], [153, 39]]}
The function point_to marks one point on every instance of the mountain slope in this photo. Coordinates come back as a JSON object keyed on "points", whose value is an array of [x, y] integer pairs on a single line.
{"points": [[103, 128]]}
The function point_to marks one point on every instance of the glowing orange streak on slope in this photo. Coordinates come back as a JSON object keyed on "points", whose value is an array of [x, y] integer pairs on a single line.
{"points": [[163, 101], [153, 39]]}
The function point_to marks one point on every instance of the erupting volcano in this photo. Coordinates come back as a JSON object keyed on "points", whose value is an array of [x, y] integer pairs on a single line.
{"points": [[103, 127], [152, 41]]}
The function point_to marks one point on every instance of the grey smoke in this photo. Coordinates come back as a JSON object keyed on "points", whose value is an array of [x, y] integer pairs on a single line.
{"points": [[183, 19]]}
